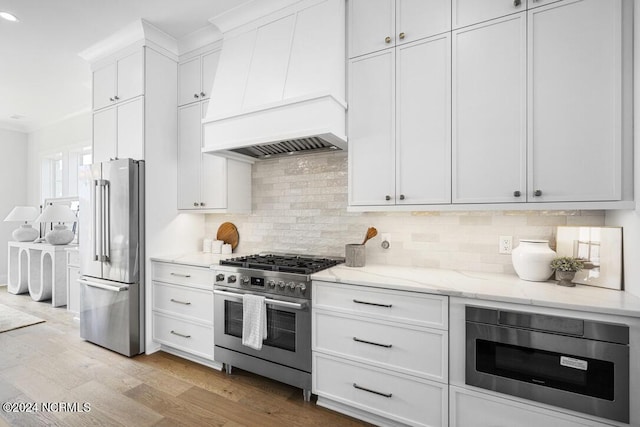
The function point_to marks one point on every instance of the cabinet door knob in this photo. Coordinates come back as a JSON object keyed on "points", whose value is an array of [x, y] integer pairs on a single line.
{"points": [[387, 197], [387, 39], [195, 95], [201, 203], [516, 3], [111, 99], [202, 94], [402, 197], [537, 193], [401, 35], [195, 203], [116, 97], [516, 193]]}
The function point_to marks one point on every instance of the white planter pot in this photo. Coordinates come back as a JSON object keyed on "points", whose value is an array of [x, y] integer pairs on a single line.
{"points": [[531, 260]]}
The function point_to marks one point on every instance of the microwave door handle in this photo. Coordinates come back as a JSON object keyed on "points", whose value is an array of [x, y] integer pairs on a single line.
{"points": [[278, 303]]}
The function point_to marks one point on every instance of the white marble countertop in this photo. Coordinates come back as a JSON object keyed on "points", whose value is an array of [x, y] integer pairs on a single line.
{"points": [[486, 286], [198, 259]]}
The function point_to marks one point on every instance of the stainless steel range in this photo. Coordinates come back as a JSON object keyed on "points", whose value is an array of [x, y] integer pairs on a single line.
{"points": [[284, 280]]}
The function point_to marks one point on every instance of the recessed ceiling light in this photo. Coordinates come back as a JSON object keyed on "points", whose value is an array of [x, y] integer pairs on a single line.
{"points": [[9, 17]]}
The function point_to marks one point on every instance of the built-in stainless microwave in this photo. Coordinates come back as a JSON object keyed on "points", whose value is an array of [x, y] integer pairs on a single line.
{"points": [[576, 364]]}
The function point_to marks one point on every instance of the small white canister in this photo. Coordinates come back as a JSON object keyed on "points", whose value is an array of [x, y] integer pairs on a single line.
{"points": [[206, 245], [216, 246], [226, 249], [532, 259]]}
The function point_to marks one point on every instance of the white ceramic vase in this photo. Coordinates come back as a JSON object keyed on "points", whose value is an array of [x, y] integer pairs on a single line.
{"points": [[531, 260]]}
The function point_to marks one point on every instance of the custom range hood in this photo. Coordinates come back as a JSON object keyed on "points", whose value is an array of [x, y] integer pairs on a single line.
{"points": [[279, 87]]}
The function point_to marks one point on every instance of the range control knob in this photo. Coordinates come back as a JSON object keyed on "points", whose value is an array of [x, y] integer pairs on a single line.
{"points": [[281, 284], [271, 283], [231, 279], [219, 277], [245, 281], [301, 287], [291, 285]]}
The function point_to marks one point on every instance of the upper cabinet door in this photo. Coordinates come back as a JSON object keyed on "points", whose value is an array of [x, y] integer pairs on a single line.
{"points": [[575, 101], [104, 86], [378, 24], [372, 129], [189, 155], [417, 19], [130, 75], [189, 81], [489, 81], [119, 80], [423, 121], [131, 130], [469, 12], [209, 65], [105, 125], [371, 26]]}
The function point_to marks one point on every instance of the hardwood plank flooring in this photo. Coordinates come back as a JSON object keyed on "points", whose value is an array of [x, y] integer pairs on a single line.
{"points": [[49, 362]]}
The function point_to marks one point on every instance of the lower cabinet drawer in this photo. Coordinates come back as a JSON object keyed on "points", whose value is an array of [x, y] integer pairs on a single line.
{"points": [[414, 351], [182, 274], [420, 403], [469, 408], [176, 299], [183, 335]]}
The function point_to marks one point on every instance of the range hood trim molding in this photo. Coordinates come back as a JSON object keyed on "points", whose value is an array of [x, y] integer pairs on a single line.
{"points": [[275, 105]]}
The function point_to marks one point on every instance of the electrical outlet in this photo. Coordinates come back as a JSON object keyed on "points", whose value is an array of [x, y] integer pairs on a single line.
{"points": [[386, 240], [505, 244]]}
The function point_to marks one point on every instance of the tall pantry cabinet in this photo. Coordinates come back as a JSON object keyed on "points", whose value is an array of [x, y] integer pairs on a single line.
{"points": [[399, 103], [206, 183]]}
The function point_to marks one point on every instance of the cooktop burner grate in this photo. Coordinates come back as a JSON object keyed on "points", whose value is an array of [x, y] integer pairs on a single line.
{"points": [[283, 263]]}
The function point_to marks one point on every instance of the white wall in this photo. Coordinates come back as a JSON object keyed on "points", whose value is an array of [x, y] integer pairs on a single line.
{"points": [[630, 220], [73, 132], [13, 186]]}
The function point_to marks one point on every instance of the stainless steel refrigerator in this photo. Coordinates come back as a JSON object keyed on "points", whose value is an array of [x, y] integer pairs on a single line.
{"points": [[111, 237]]}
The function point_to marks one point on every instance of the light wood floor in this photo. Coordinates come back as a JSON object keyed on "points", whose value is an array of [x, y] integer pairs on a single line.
{"points": [[49, 362]]}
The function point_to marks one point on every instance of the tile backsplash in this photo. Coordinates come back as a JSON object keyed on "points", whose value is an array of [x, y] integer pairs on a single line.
{"points": [[300, 206]]}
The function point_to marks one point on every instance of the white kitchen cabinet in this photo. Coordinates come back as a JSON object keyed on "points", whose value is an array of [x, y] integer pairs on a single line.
{"points": [[469, 12], [575, 101], [182, 310], [119, 79], [205, 181], [195, 77], [489, 88], [118, 131], [399, 134], [380, 24], [381, 355], [73, 287]]}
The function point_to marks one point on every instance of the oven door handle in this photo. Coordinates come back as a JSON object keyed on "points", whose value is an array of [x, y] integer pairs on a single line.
{"points": [[278, 303]]}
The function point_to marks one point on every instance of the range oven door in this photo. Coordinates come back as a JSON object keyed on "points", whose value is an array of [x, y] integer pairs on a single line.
{"points": [[288, 339], [585, 375]]}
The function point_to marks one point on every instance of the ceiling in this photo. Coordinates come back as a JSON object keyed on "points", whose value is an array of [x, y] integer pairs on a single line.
{"points": [[42, 78]]}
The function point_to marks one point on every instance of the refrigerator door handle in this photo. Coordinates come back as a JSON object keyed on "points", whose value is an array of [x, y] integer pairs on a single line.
{"points": [[107, 222], [104, 286], [96, 230]]}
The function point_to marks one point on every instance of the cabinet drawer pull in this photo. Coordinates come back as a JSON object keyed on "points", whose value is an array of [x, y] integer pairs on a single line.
{"points": [[180, 302], [372, 343], [180, 275], [388, 395], [372, 303], [180, 335]]}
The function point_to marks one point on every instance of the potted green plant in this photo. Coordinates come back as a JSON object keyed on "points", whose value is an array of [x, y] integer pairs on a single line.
{"points": [[566, 268]]}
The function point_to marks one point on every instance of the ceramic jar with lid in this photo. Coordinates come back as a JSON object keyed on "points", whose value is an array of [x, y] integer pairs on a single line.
{"points": [[531, 260]]}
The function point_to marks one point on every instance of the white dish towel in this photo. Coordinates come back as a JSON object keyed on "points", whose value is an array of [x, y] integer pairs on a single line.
{"points": [[254, 321]]}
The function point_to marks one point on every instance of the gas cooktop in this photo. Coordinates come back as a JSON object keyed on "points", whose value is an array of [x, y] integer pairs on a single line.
{"points": [[284, 263]]}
